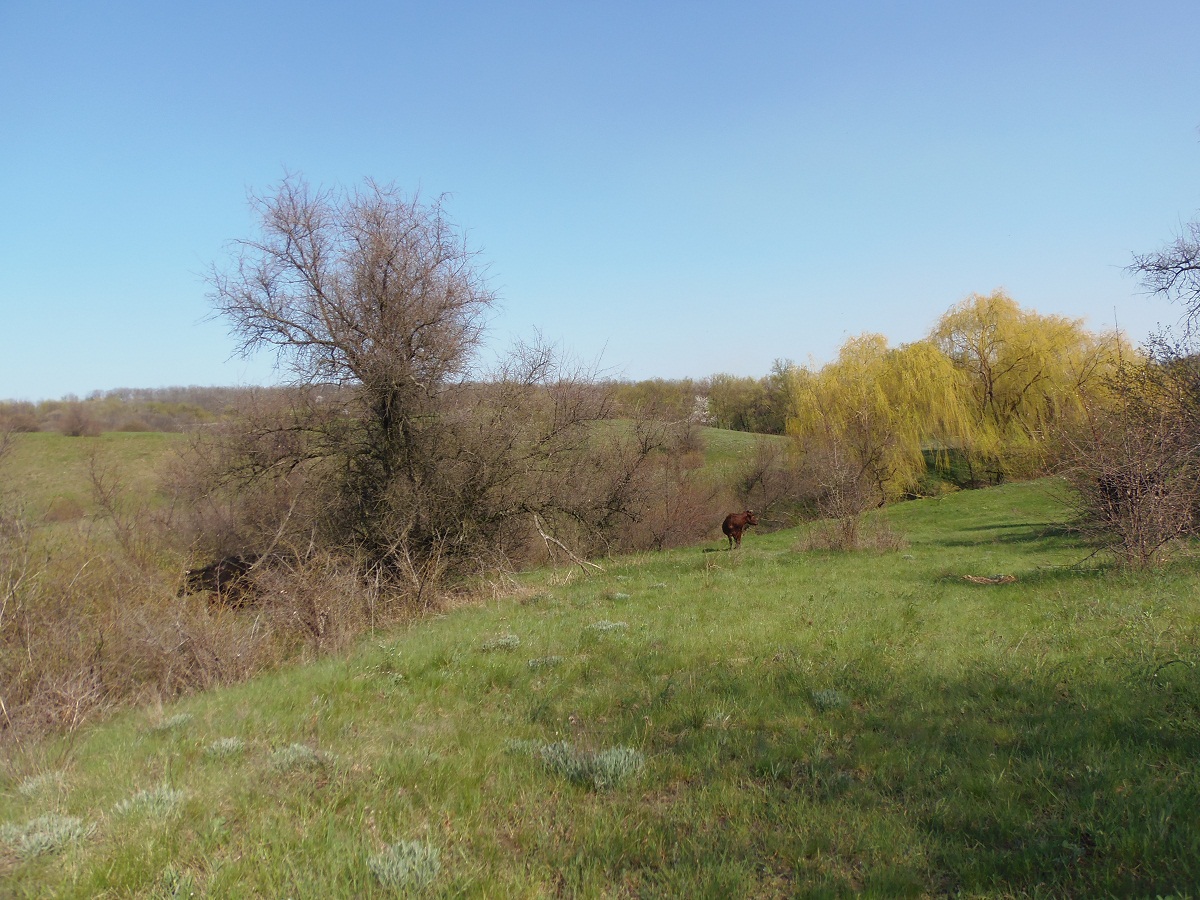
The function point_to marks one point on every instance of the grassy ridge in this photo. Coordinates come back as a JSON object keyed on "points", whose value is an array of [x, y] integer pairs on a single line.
{"points": [[48, 473], [794, 723]]}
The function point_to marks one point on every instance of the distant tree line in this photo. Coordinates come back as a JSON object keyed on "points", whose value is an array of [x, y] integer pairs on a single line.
{"points": [[734, 402], [126, 409]]}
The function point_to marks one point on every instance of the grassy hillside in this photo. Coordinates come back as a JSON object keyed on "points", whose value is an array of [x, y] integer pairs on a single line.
{"points": [[762, 723], [48, 473]]}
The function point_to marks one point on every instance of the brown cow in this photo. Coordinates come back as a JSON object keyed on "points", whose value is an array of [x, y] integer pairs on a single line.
{"points": [[735, 524]]}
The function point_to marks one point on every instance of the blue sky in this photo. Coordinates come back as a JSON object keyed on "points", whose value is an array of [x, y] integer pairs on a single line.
{"points": [[671, 189]]}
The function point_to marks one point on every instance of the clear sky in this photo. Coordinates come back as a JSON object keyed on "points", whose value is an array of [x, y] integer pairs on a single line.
{"points": [[671, 188]]}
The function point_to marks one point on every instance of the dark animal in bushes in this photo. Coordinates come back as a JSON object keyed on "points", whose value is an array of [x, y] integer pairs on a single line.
{"points": [[735, 524], [230, 579], [1124, 493]]}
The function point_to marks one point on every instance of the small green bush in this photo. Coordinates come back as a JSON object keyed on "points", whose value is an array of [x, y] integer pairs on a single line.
{"points": [[604, 626], [177, 884], [35, 784], [611, 767], [601, 770], [170, 724], [504, 642], [297, 757], [828, 699]]}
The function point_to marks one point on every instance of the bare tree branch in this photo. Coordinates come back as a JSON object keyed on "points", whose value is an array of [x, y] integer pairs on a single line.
{"points": [[1174, 272]]}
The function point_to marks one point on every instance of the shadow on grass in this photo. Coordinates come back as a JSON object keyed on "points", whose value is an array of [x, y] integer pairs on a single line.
{"points": [[1079, 783], [1049, 534], [1000, 782], [1045, 529]]}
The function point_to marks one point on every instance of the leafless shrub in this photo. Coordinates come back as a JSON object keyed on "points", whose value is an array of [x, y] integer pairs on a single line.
{"points": [[325, 602], [18, 416], [871, 531], [75, 421], [773, 485], [1134, 463], [673, 502], [87, 630], [90, 617], [840, 488]]}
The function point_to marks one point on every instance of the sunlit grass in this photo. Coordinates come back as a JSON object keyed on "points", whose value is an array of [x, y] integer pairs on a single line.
{"points": [[53, 470]]}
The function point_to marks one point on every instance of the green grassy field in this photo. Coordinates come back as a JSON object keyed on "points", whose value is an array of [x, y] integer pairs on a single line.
{"points": [[49, 473], [760, 723]]}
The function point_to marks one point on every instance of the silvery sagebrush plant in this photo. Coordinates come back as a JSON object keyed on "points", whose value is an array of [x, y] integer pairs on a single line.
{"points": [[406, 865]]}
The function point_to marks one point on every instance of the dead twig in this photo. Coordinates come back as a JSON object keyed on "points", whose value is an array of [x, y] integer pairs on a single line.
{"points": [[550, 539]]}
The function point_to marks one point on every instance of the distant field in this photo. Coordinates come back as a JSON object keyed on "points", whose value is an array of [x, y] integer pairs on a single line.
{"points": [[48, 473], [760, 723], [724, 449]]}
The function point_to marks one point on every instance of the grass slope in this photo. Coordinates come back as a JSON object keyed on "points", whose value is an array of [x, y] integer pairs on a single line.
{"points": [[49, 473], [762, 723]]}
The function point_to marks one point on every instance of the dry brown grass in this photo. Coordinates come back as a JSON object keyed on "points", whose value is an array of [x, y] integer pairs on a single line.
{"points": [[85, 626], [870, 532]]}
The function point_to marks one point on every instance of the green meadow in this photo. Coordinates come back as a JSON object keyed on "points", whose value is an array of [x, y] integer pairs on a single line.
{"points": [[50, 475], [769, 722]]}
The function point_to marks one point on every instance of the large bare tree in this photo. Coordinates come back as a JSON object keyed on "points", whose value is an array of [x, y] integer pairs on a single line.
{"points": [[366, 289], [390, 442]]}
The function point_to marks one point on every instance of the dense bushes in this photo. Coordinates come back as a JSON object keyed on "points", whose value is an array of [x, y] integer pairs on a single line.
{"points": [[90, 609], [1134, 459]]}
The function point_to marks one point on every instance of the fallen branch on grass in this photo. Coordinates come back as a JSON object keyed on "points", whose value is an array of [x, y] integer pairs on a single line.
{"points": [[994, 579]]}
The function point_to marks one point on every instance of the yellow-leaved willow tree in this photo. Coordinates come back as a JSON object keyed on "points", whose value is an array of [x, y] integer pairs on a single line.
{"points": [[992, 382], [867, 418], [1025, 375]]}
